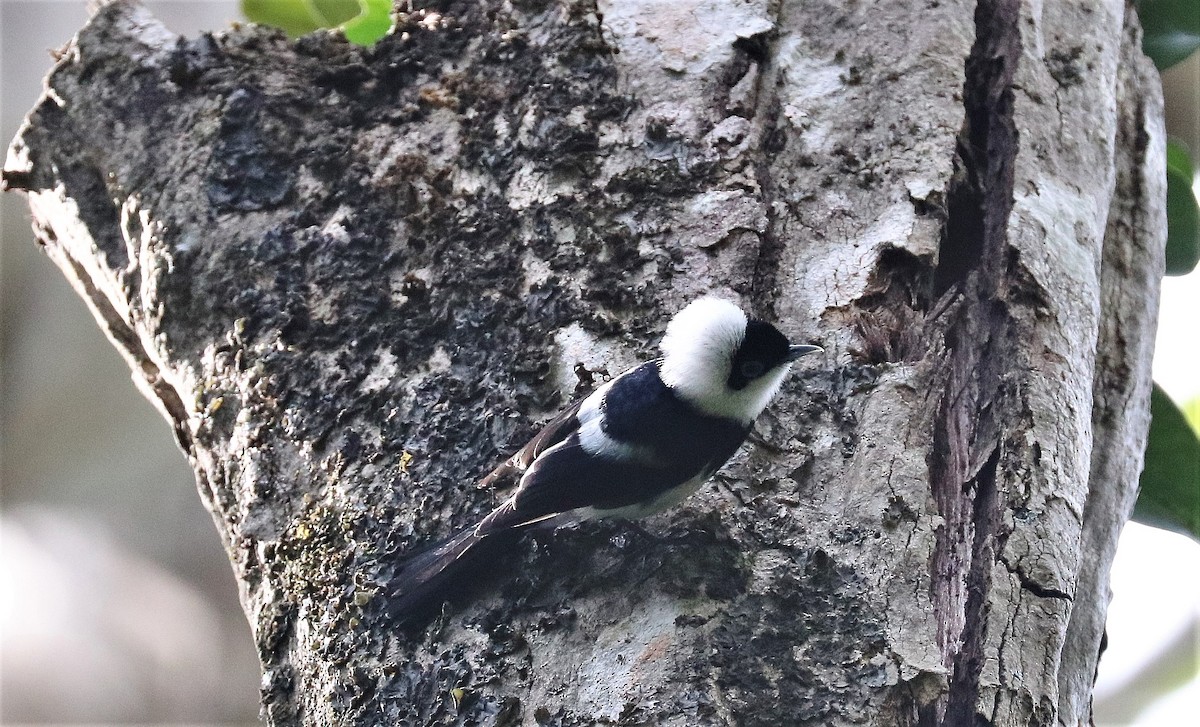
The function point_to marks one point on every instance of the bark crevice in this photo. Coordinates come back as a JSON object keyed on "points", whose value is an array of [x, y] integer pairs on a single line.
{"points": [[761, 50], [979, 198], [972, 268]]}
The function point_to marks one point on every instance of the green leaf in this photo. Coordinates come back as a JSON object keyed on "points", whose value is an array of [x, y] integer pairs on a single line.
{"points": [[1191, 412], [295, 17], [1183, 222], [1170, 485], [1183, 214], [363, 21], [374, 22], [1179, 160], [332, 13], [1171, 30]]}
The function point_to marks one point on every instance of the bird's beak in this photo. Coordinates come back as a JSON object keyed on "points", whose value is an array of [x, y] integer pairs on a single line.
{"points": [[795, 352]]}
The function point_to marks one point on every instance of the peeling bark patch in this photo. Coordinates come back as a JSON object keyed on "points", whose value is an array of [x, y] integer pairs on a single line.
{"points": [[126, 339], [889, 318], [101, 216]]}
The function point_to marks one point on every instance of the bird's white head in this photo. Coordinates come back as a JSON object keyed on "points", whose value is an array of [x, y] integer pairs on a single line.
{"points": [[724, 363]]}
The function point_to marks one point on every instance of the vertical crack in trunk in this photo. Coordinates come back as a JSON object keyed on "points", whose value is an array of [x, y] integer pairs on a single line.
{"points": [[985, 522], [764, 288], [764, 283], [979, 199], [971, 266]]}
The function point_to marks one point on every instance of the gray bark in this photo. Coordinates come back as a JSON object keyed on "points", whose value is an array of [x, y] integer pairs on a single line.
{"points": [[355, 279]]}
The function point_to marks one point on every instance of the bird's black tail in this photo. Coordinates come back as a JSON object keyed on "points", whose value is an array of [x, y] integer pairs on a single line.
{"points": [[428, 578]]}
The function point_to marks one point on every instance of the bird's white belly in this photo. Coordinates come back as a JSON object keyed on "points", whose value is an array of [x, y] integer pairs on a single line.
{"points": [[665, 500]]}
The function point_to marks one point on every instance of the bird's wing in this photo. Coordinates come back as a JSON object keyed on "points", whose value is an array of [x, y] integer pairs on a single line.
{"points": [[566, 477], [563, 425]]}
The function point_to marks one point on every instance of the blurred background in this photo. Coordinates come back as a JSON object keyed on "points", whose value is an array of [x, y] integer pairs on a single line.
{"points": [[117, 602]]}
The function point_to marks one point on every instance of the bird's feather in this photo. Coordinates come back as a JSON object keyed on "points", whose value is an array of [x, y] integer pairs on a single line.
{"points": [[551, 433], [675, 442]]}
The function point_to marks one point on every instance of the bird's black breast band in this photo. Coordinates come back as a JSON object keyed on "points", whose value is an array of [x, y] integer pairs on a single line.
{"points": [[643, 410]]}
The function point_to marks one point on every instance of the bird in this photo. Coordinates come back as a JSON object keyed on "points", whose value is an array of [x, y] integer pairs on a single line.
{"points": [[637, 445]]}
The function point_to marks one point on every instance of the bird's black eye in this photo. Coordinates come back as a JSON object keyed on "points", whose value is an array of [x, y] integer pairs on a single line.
{"points": [[751, 369]]}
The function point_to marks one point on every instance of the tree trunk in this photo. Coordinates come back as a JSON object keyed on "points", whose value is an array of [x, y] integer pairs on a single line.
{"points": [[355, 279]]}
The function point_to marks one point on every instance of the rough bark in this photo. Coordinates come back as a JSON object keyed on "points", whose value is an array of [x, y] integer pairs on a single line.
{"points": [[354, 279]]}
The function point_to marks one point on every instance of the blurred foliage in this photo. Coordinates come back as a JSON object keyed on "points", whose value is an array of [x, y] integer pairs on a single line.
{"points": [[372, 24], [1183, 215], [1171, 30], [1170, 485], [1191, 412], [363, 21]]}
